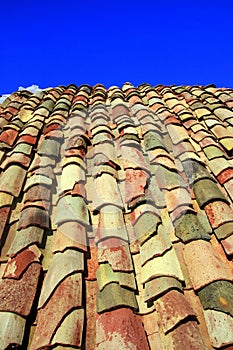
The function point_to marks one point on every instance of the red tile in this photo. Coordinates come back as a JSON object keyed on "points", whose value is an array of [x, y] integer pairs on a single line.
{"points": [[173, 308], [197, 255], [120, 329], [218, 213], [17, 265], [187, 336], [9, 136], [225, 175], [31, 140], [18, 295], [135, 183], [116, 252], [66, 297]]}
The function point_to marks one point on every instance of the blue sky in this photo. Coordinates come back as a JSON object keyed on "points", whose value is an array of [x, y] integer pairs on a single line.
{"points": [[52, 43]]}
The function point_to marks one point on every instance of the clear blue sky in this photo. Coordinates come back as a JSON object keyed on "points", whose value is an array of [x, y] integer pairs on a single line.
{"points": [[49, 43]]}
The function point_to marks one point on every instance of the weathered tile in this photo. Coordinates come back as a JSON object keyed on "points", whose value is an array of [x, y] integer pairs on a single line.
{"points": [[152, 140], [177, 197], [105, 275], [67, 296], [201, 253], [37, 180], [70, 234], [220, 328], [33, 216], [16, 266], [8, 136], [38, 193], [18, 295], [70, 331], [91, 314], [165, 265], [114, 296], [116, 252], [225, 176], [62, 265], [120, 329], [218, 296], [135, 183], [186, 336], [71, 174], [106, 191], [72, 208], [227, 244], [146, 226], [168, 179], [111, 224], [159, 286], [188, 228], [25, 238], [207, 191], [195, 171], [132, 157], [177, 133], [173, 308], [157, 245], [220, 213], [11, 330], [12, 179]]}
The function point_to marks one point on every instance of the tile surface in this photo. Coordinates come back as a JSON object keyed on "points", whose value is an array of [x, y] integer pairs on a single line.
{"points": [[116, 218]]}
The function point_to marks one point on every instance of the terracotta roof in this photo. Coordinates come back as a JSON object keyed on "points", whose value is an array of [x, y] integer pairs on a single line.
{"points": [[116, 218]]}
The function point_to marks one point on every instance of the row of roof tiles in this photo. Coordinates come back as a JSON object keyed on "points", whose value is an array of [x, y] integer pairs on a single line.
{"points": [[116, 218]]}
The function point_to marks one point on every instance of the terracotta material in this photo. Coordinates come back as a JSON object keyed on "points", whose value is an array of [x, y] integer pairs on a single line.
{"points": [[201, 253], [18, 295], [67, 296], [173, 308], [120, 328], [62, 265], [17, 265], [116, 218]]}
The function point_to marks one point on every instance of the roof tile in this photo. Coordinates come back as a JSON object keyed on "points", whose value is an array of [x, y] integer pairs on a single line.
{"points": [[159, 286], [105, 275], [173, 309], [62, 265], [188, 227], [13, 331], [116, 252], [207, 191], [114, 296], [70, 331], [137, 170], [67, 296], [165, 265], [33, 216], [156, 245], [201, 253], [70, 234], [25, 238], [218, 296], [120, 328], [18, 295], [72, 208], [220, 328], [16, 266], [12, 179], [111, 224]]}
